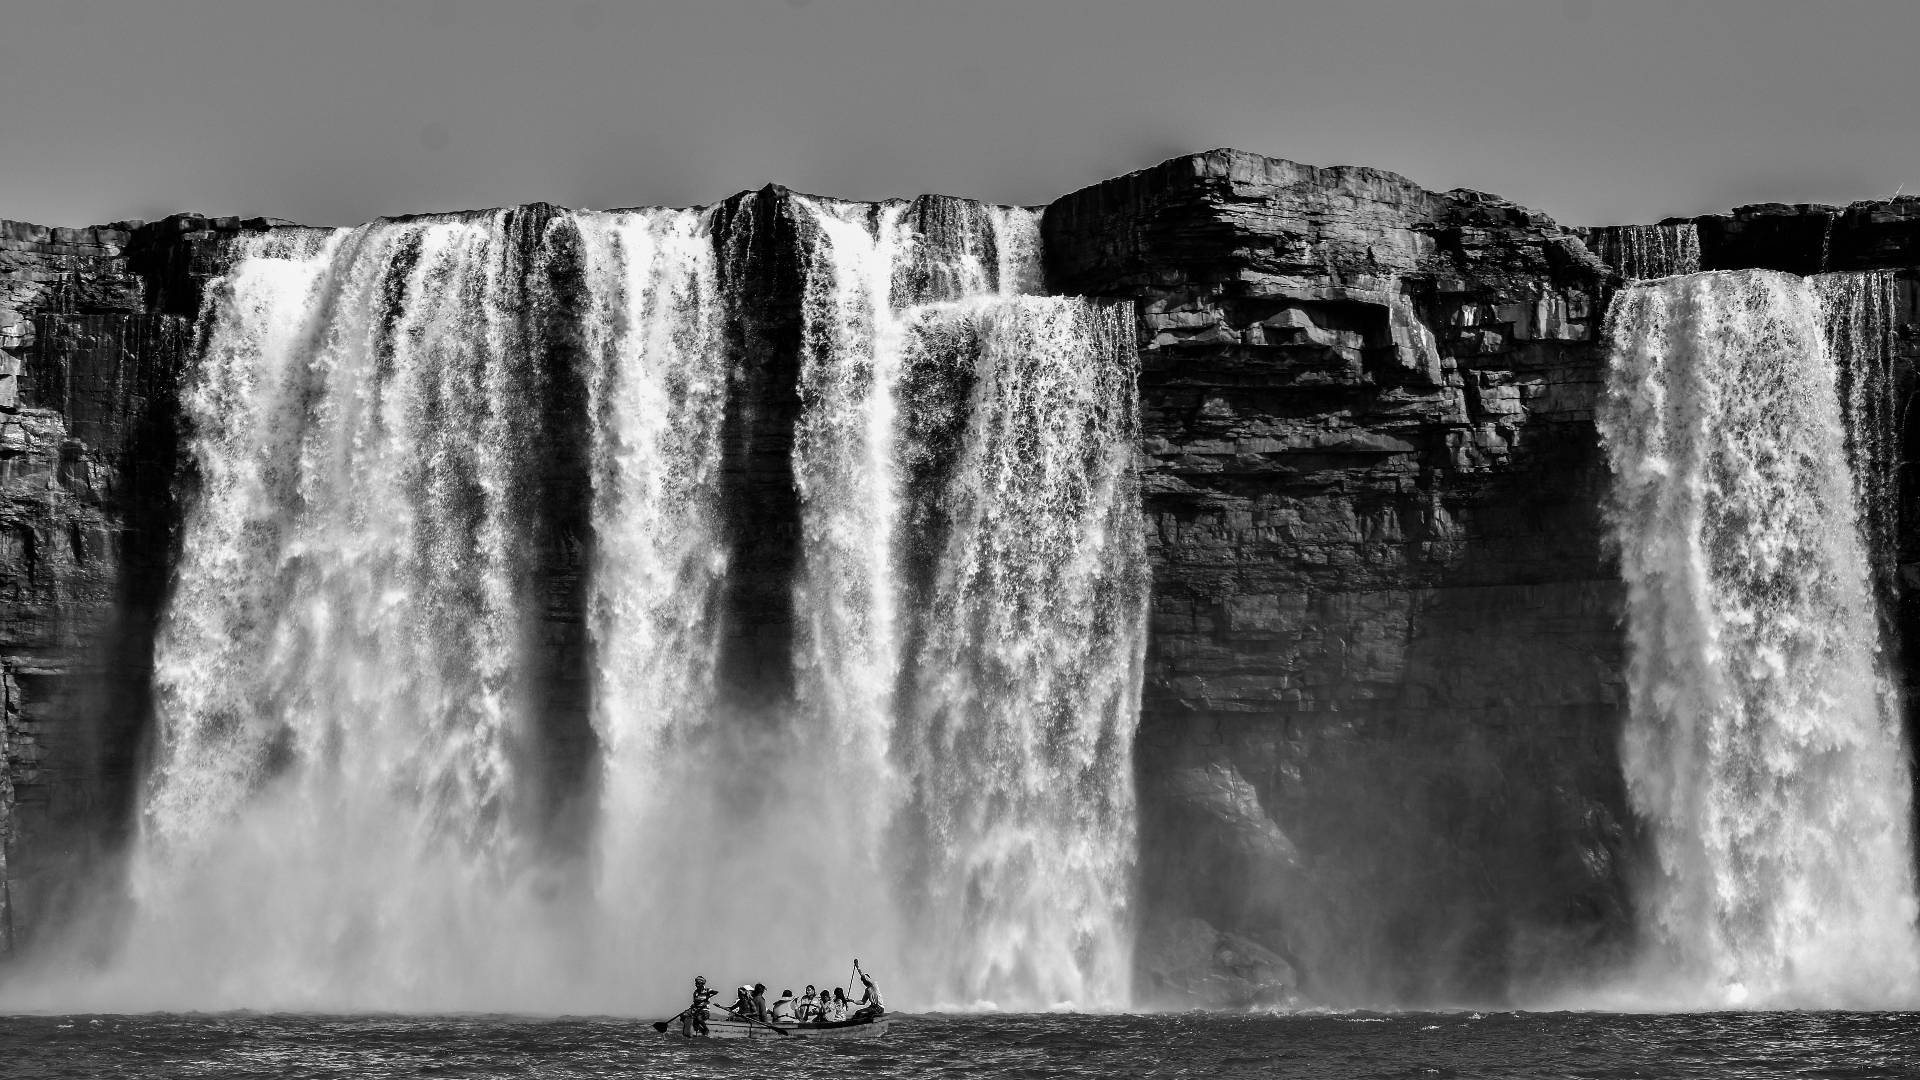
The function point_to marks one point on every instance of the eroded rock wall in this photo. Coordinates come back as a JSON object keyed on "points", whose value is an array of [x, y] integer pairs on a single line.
{"points": [[1383, 681], [95, 325]]}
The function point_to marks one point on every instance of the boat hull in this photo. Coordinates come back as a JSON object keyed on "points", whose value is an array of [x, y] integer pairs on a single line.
{"points": [[740, 1029]]}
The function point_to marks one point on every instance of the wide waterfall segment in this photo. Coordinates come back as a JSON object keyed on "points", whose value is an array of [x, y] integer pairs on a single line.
{"points": [[1764, 748], [350, 806], [330, 819], [659, 376], [973, 594], [1018, 738]]}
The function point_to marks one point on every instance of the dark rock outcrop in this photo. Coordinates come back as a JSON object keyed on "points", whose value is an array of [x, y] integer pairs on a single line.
{"points": [[1384, 673], [1808, 238], [95, 327]]}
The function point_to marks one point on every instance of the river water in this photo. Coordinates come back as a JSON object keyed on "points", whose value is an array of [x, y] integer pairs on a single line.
{"points": [[1522, 1046]]}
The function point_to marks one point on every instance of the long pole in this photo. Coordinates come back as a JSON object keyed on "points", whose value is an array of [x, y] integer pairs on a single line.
{"points": [[853, 980]]}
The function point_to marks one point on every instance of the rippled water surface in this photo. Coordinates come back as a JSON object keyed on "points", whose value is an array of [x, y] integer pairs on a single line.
{"points": [[1507, 1045]]}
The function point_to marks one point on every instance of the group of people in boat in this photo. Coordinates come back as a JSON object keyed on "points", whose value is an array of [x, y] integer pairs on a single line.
{"points": [[829, 1006]]}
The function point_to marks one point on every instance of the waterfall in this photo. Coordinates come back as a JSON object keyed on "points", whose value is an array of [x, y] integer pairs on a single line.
{"points": [[1018, 744], [1763, 747], [409, 755], [848, 649], [868, 268], [1641, 252], [973, 592], [340, 677], [657, 394]]}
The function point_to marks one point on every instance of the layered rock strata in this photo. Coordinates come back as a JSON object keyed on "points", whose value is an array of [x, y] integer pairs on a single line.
{"points": [[95, 326], [1383, 677]]}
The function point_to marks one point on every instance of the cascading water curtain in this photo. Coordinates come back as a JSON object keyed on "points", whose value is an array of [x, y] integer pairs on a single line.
{"points": [[973, 596], [1026, 694], [657, 388], [1763, 747], [340, 674], [1641, 252], [847, 600], [347, 678]]}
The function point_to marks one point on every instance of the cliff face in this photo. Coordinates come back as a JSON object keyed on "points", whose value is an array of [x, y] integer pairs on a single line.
{"points": [[1383, 677], [1377, 753], [95, 325]]}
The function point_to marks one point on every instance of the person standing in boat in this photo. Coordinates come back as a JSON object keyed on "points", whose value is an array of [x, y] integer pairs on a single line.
{"points": [[694, 1020], [871, 1007]]}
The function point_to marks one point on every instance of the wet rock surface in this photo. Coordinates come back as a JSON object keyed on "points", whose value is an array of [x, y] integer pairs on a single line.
{"points": [[1383, 678], [95, 328]]}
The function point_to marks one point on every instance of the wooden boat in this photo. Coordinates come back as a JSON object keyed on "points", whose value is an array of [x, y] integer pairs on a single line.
{"points": [[868, 1028]]}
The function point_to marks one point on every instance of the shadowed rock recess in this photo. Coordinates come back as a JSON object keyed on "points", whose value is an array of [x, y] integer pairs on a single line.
{"points": [[1378, 751]]}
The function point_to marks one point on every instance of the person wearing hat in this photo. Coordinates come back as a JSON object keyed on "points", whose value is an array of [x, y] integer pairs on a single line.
{"points": [[782, 1011], [694, 1020]]}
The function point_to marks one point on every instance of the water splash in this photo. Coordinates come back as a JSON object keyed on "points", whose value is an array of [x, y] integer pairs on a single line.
{"points": [[1763, 747]]}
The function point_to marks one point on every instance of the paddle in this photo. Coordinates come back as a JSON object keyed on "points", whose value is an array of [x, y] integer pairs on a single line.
{"points": [[782, 1032], [661, 1026]]}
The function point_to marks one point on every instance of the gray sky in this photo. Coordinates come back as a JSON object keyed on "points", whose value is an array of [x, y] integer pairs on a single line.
{"points": [[334, 111]]}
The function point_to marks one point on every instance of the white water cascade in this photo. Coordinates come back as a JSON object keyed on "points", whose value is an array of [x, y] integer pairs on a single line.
{"points": [[394, 770], [1642, 252], [1018, 739], [974, 593], [340, 679], [657, 391], [1763, 749]]}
